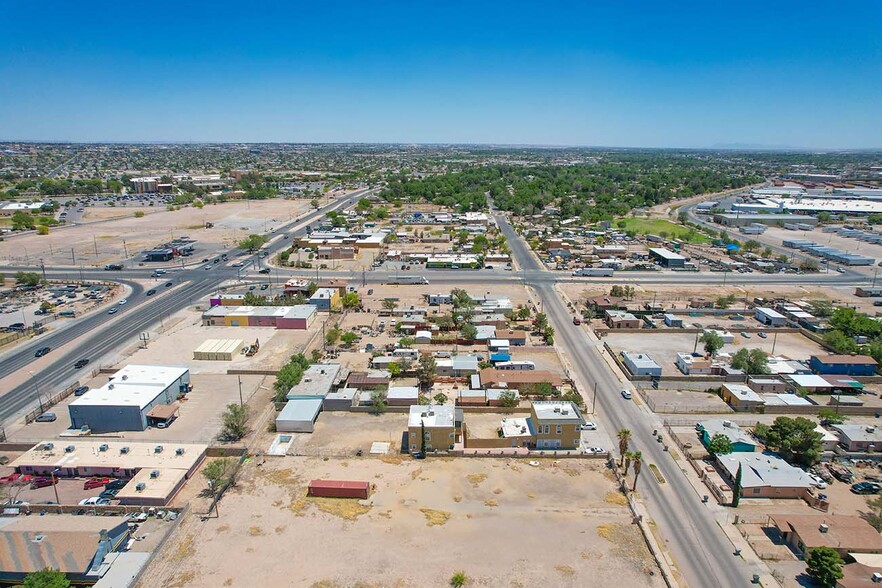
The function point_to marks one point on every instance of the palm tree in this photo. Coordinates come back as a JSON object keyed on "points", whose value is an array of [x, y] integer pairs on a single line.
{"points": [[626, 458], [638, 462], [624, 436]]}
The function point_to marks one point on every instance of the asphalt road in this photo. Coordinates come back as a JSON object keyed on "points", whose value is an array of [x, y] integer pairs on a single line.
{"points": [[700, 550]]}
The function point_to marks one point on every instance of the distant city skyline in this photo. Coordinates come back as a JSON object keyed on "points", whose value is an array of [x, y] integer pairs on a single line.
{"points": [[748, 75]]}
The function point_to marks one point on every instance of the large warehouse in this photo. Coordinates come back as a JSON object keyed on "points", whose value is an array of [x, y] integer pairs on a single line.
{"points": [[122, 403]]}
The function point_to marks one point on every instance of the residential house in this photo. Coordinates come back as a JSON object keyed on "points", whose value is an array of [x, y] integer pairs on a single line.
{"points": [[600, 304], [640, 364], [765, 385], [431, 428], [376, 380], [692, 365], [764, 475], [741, 441], [844, 533], [516, 379], [516, 337], [619, 319], [325, 299], [843, 365], [458, 366], [859, 437], [741, 398], [556, 424]]}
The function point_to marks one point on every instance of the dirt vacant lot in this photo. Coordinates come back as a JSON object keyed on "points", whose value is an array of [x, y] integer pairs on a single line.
{"points": [[502, 522]]}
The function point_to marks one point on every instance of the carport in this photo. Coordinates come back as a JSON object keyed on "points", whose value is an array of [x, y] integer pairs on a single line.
{"points": [[162, 413]]}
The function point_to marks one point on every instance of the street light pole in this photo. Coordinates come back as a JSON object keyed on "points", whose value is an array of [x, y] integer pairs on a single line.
{"points": [[55, 485], [37, 390]]}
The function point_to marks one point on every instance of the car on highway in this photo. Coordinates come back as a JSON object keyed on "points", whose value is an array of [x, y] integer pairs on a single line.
{"points": [[113, 310], [150, 292], [42, 351], [204, 260], [866, 488], [80, 390], [123, 302], [81, 363], [237, 264], [588, 426], [626, 394], [251, 288], [46, 417], [265, 270], [762, 335], [207, 267], [264, 286], [169, 284]]}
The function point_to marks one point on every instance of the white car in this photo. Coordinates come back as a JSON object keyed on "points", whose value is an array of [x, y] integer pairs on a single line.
{"points": [[94, 500], [123, 301], [817, 482], [595, 450], [238, 264], [588, 426], [626, 395]]}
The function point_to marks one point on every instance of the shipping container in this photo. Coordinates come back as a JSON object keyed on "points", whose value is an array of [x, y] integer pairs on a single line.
{"points": [[339, 489]]}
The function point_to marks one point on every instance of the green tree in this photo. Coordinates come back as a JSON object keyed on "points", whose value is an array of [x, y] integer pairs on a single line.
{"points": [[809, 266], [719, 445], [637, 458], [440, 398], [751, 245], [217, 472], [252, 242], [725, 301], [389, 304], [378, 402], [821, 308], [42, 230], [332, 336], [751, 361], [459, 579], [508, 398], [874, 516], [315, 203], [27, 278], [795, 439], [824, 217], [235, 421], [46, 578], [351, 300], [713, 342], [138, 214], [394, 369], [540, 323], [425, 371], [22, 221], [349, 338], [468, 331], [829, 415], [824, 565], [624, 437], [736, 492]]}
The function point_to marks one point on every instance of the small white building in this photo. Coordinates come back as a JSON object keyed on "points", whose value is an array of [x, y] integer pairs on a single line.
{"points": [[770, 317], [299, 415]]}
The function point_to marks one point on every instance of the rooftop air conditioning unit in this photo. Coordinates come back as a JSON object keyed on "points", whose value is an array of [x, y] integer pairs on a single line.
{"points": [[876, 578], [824, 528], [154, 474], [69, 449], [179, 451], [48, 446], [140, 486], [124, 449], [727, 423], [103, 447], [110, 386], [157, 449], [125, 377]]}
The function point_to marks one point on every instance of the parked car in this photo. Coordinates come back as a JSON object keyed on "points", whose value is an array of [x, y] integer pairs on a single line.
{"points": [[595, 450], [16, 479], [745, 334], [588, 426], [92, 483], [626, 394], [46, 417], [42, 351], [43, 482], [817, 482], [109, 494], [866, 488], [81, 363], [577, 321], [265, 270], [762, 335], [94, 501], [115, 484]]}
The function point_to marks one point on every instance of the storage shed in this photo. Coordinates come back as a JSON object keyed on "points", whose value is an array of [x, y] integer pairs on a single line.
{"points": [[339, 489], [299, 415]]}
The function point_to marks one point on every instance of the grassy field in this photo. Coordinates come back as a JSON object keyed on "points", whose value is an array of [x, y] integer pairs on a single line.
{"points": [[646, 226]]}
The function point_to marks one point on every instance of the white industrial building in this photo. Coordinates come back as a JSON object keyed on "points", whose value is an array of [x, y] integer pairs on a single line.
{"points": [[123, 402]]}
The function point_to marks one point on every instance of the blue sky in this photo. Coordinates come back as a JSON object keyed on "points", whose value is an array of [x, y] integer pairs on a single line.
{"points": [[617, 73]]}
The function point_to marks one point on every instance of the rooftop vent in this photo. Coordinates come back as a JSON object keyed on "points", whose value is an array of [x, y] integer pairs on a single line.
{"points": [[103, 447], [140, 486], [871, 429]]}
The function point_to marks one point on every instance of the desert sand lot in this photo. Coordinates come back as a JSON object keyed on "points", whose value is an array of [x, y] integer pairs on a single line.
{"points": [[232, 221], [503, 522]]}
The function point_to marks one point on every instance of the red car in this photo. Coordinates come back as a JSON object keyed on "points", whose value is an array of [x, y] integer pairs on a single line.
{"points": [[43, 482], [95, 483], [15, 478]]}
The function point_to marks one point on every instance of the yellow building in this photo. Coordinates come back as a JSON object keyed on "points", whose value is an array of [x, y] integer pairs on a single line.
{"points": [[436, 423], [556, 424]]}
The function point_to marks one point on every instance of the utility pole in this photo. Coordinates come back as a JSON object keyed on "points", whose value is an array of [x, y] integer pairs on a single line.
{"points": [[43, 268], [594, 400], [774, 341], [241, 403], [73, 259], [95, 242], [37, 390]]}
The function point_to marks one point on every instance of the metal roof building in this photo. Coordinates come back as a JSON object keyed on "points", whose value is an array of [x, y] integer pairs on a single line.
{"points": [[299, 415]]}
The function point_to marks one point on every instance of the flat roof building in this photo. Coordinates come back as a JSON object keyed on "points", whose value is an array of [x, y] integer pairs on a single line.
{"points": [[299, 415], [317, 380], [123, 402], [667, 258], [640, 364]]}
